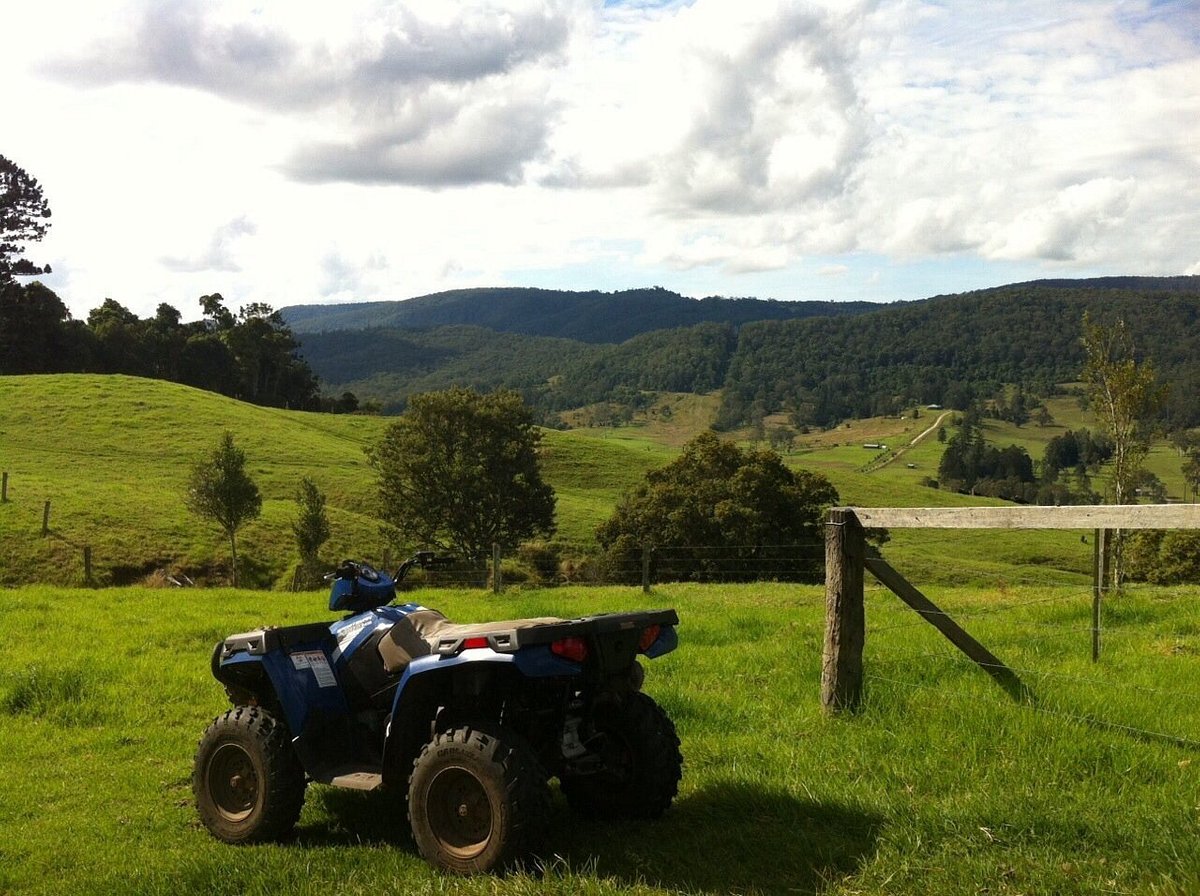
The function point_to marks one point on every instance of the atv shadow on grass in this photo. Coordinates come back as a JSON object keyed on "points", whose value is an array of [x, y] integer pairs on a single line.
{"points": [[729, 837], [725, 838], [355, 818]]}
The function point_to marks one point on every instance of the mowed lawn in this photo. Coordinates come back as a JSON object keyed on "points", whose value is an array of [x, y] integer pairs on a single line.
{"points": [[940, 785]]}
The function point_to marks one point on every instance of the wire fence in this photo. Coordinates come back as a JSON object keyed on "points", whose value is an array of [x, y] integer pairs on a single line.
{"points": [[1143, 684], [559, 563]]}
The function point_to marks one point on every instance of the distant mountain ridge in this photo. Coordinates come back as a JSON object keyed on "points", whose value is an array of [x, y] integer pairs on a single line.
{"points": [[594, 317], [861, 362]]}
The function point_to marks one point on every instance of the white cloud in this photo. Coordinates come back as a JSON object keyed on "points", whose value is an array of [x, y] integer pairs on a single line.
{"points": [[220, 253], [383, 150]]}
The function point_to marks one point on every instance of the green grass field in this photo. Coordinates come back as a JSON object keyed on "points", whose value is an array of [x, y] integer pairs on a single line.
{"points": [[940, 785]]}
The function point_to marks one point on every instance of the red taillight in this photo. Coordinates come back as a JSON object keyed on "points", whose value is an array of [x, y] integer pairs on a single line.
{"points": [[575, 649], [472, 643], [649, 635]]}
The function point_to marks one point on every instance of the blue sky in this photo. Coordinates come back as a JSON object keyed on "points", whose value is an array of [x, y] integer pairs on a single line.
{"points": [[885, 150]]}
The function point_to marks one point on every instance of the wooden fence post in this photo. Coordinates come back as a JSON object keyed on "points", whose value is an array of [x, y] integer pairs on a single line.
{"points": [[4, 489], [845, 620], [646, 549], [87, 564], [496, 584], [46, 520]]}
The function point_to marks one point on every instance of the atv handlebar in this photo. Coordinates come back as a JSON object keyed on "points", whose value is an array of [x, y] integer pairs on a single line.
{"points": [[353, 569]]}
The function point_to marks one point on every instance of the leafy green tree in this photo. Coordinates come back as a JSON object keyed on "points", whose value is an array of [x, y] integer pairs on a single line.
{"points": [[24, 218], [1191, 471], [220, 490], [718, 511], [1164, 558], [120, 342], [781, 438], [1124, 394], [459, 471], [37, 334], [311, 529]]}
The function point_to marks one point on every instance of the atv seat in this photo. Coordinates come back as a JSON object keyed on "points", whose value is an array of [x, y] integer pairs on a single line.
{"points": [[419, 634]]}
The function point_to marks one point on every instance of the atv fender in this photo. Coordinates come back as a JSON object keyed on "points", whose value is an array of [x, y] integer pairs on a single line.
{"points": [[297, 680]]}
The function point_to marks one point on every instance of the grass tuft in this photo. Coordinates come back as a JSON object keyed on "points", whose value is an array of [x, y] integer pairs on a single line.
{"points": [[43, 693]]}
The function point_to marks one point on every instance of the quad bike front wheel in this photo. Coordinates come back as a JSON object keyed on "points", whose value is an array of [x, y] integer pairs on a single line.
{"points": [[640, 763], [248, 784], [477, 800]]}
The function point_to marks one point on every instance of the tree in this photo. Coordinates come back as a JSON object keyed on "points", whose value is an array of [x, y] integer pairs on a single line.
{"points": [[459, 471], [220, 490], [1191, 471], [1123, 394], [24, 218], [311, 529], [1164, 558], [718, 511], [781, 438], [37, 334]]}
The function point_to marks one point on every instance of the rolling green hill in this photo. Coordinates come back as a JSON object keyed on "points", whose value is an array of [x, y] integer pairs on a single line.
{"points": [[112, 454]]}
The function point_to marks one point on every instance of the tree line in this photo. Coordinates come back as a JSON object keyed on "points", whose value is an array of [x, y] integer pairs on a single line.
{"points": [[591, 317], [250, 355], [1064, 475]]}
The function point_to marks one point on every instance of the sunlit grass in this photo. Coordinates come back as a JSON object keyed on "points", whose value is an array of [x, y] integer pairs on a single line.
{"points": [[941, 785]]}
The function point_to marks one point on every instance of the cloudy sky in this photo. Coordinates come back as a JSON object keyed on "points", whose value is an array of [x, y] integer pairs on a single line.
{"points": [[290, 152]]}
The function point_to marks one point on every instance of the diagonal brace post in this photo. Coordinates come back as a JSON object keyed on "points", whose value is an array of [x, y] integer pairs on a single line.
{"points": [[955, 634]]}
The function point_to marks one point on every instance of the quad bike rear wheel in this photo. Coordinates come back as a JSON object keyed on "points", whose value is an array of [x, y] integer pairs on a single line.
{"points": [[640, 762], [477, 800], [248, 783]]}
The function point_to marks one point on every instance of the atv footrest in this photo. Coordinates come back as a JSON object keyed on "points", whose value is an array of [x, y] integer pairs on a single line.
{"points": [[356, 779]]}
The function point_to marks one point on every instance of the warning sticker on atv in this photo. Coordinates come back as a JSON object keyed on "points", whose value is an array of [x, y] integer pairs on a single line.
{"points": [[315, 660]]}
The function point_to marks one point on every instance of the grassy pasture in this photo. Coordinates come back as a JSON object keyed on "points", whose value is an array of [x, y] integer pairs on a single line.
{"points": [[113, 455], [940, 785]]}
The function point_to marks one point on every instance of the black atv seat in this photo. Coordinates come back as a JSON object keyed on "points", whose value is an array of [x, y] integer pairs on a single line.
{"points": [[419, 633]]}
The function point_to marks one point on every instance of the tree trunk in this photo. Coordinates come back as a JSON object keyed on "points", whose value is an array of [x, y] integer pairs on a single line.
{"points": [[233, 551]]}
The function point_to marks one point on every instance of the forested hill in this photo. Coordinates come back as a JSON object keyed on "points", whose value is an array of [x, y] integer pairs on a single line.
{"points": [[949, 349], [943, 350], [595, 317]]}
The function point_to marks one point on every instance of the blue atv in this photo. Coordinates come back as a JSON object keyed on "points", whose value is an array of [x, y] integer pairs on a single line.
{"points": [[470, 721]]}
